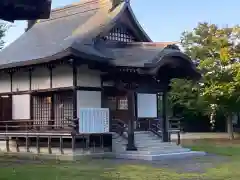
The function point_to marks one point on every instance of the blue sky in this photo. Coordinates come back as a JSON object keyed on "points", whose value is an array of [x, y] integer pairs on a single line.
{"points": [[165, 20]]}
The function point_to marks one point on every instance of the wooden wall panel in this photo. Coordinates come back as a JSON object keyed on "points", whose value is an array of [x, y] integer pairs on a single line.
{"points": [[40, 78], [5, 83], [62, 76], [20, 81], [88, 78]]}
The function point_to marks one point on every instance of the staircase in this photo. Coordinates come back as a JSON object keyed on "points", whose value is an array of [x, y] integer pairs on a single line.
{"points": [[150, 147]]}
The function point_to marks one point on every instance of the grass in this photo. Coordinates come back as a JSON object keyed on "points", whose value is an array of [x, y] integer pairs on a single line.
{"points": [[106, 169], [222, 147], [94, 170]]}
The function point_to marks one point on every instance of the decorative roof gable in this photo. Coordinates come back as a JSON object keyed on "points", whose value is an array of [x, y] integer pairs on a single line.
{"points": [[120, 33]]}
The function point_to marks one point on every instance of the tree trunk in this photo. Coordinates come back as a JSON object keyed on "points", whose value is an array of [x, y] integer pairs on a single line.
{"points": [[230, 127]]}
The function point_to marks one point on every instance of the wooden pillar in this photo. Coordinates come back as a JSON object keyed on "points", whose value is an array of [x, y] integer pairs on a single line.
{"points": [[52, 119], [74, 89], [30, 78], [165, 135], [158, 107], [17, 144], [49, 145], [27, 144], [131, 108], [11, 80], [75, 128], [7, 144], [61, 144], [51, 122], [50, 68], [37, 144]]}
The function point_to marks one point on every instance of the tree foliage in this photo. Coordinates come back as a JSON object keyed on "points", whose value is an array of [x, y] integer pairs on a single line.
{"points": [[218, 52], [3, 29]]}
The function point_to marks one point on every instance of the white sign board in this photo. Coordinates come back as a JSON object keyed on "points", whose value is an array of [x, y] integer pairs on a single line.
{"points": [[146, 105], [94, 120]]}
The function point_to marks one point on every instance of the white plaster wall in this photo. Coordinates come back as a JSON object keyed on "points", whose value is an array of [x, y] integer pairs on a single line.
{"points": [[62, 76], [88, 99], [40, 78], [21, 106], [5, 83], [88, 78], [20, 81]]}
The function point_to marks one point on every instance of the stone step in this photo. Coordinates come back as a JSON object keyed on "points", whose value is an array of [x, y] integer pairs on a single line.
{"points": [[156, 147], [143, 136], [153, 143], [151, 148], [140, 141], [149, 142], [156, 157], [141, 132], [166, 151], [146, 138]]}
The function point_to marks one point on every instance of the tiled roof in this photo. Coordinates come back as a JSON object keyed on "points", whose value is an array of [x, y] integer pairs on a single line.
{"points": [[73, 30], [72, 26], [134, 54]]}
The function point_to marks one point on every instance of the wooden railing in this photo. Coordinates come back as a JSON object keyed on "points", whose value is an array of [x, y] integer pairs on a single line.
{"points": [[35, 126], [155, 126], [120, 127], [174, 127], [156, 129]]}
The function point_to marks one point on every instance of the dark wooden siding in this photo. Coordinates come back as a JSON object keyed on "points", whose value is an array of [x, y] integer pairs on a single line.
{"points": [[5, 110]]}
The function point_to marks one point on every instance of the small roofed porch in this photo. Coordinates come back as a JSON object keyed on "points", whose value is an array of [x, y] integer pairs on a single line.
{"points": [[140, 83]]}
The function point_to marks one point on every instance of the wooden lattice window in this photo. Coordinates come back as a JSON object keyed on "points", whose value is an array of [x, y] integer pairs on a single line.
{"points": [[41, 110], [63, 108], [52, 109], [123, 103], [121, 34]]}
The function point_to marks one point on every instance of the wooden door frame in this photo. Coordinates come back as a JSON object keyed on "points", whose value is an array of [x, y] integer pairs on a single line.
{"points": [[118, 112]]}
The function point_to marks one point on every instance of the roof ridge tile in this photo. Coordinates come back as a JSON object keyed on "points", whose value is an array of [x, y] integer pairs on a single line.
{"points": [[77, 8]]}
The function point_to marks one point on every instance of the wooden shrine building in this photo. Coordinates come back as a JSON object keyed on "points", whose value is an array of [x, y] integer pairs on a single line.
{"points": [[88, 65]]}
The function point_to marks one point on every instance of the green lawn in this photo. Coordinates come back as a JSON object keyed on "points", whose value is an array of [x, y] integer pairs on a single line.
{"points": [[223, 147], [106, 169]]}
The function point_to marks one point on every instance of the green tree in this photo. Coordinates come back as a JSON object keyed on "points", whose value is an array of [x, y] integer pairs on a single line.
{"points": [[218, 51], [3, 29]]}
